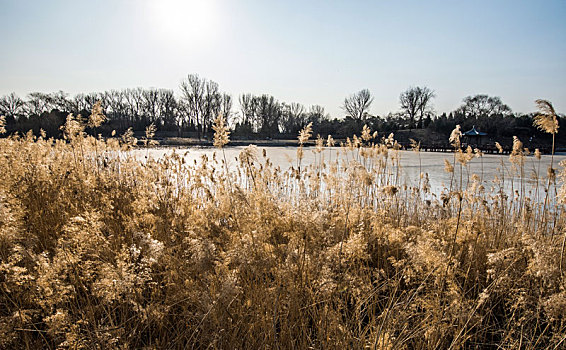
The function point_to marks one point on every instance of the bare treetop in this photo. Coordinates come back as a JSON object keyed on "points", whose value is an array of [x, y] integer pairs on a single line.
{"points": [[357, 105], [416, 100], [484, 105]]}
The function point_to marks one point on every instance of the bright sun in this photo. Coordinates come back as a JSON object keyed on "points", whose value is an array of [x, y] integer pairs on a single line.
{"points": [[186, 21]]}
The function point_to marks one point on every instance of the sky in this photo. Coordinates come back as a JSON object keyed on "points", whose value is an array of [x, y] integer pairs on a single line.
{"points": [[311, 52]]}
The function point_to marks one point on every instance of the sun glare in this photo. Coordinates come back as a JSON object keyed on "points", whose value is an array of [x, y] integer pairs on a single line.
{"points": [[183, 21]]}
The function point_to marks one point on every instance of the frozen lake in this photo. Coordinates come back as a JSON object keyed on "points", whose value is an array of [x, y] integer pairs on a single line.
{"points": [[488, 167]]}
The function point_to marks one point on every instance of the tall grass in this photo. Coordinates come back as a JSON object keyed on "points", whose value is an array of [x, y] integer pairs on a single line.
{"points": [[101, 250]]}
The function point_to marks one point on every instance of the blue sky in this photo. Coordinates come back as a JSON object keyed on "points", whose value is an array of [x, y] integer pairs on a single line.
{"points": [[312, 52]]}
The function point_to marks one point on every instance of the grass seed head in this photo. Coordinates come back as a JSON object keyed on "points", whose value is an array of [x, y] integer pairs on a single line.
{"points": [[498, 146], [221, 133], [455, 137], [546, 120], [448, 166], [72, 128], [415, 146], [330, 141], [366, 133], [129, 139], [149, 135], [96, 117], [2, 124], [305, 134], [319, 144]]}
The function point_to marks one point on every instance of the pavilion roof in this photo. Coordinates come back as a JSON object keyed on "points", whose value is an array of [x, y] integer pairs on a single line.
{"points": [[474, 132]]}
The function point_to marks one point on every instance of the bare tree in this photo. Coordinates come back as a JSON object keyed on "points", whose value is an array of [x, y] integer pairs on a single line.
{"points": [[132, 104], [484, 106], [167, 108], [268, 112], [316, 114], [150, 98], [248, 107], [211, 106], [114, 107], [36, 103], [357, 105], [11, 105], [192, 91], [416, 101], [91, 99], [293, 118], [79, 103], [60, 100], [425, 103], [138, 105], [203, 101], [226, 107]]}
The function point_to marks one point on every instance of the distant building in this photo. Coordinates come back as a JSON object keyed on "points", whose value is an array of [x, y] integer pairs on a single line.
{"points": [[474, 137]]}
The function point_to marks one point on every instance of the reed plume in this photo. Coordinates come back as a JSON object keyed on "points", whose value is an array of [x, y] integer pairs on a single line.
{"points": [[221, 133], [2, 124], [149, 135], [455, 137], [305, 134], [547, 119], [97, 116]]}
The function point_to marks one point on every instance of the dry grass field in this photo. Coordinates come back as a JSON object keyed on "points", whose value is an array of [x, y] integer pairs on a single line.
{"points": [[100, 250]]}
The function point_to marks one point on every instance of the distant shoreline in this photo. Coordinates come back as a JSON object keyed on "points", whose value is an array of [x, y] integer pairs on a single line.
{"points": [[193, 142]]}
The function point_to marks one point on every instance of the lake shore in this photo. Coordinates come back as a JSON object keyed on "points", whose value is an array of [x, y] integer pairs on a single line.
{"points": [[433, 147], [194, 142]]}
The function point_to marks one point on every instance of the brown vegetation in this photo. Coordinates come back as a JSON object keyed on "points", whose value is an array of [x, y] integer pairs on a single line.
{"points": [[102, 250]]}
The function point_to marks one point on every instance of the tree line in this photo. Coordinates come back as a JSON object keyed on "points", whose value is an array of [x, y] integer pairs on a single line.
{"points": [[191, 112]]}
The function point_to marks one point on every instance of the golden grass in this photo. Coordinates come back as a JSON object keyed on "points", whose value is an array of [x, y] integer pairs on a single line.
{"points": [[101, 250]]}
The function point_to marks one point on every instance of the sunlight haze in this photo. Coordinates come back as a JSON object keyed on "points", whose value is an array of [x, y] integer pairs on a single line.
{"points": [[315, 52]]}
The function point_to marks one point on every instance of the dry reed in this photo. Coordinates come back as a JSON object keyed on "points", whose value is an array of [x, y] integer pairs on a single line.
{"points": [[101, 250]]}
